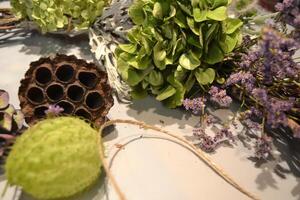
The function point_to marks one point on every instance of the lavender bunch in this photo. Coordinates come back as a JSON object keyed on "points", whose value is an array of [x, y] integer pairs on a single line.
{"points": [[268, 78], [290, 12]]}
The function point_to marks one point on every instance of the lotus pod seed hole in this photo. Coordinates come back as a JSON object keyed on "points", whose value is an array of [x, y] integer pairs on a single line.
{"points": [[68, 107], [65, 73], [83, 113], [55, 92], [40, 111], [43, 75], [35, 95], [94, 100], [75, 93], [88, 79]]}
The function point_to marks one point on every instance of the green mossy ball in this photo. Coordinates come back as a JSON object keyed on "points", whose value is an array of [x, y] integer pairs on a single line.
{"points": [[55, 158]]}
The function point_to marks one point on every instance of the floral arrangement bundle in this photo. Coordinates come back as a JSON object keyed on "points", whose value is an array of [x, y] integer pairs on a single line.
{"points": [[179, 50]]}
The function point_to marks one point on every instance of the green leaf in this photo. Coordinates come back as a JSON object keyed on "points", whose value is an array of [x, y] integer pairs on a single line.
{"points": [[201, 36], [231, 25], [189, 61], [155, 78], [191, 24], [194, 41], [136, 12], [136, 76], [85, 14], [123, 68], [129, 48], [228, 43], [180, 73], [126, 56], [190, 81], [206, 76], [167, 30], [133, 35], [176, 99], [138, 92], [158, 52], [144, 84], [221, 80], [155, 90], [147, 46], [166, 93], [214, 54], [209, 35], [140, 63], [184, 8], [180, 19], [157, 10], [199, 15], [195, 3], [218, 14], [172, 13], [178, 47], [43, 6], [218, 3]]}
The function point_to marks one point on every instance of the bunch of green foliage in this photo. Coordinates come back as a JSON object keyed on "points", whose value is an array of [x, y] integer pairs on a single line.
{"points": [[51, 15], [175, 44]]}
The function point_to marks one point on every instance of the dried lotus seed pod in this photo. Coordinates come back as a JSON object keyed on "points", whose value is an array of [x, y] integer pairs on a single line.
{"points": [[80, 88]]}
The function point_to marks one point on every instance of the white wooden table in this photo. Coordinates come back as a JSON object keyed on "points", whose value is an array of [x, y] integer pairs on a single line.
{"points": [[153, 168]]}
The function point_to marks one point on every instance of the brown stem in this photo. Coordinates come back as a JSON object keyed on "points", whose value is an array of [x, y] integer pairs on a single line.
{"points": [[69, 25], [196, 150], [7, 27], [5, 9], [9, 20]]}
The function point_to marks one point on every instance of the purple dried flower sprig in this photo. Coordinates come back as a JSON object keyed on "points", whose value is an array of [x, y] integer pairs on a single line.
{"points": [[219, 97], [208, 143], [53, 111], [290, 12], [274, 109], [196, 105], [263, 147], [242, 78]]}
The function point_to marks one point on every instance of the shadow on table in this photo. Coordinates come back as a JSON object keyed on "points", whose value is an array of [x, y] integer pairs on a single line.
{"points": [[287, 163], [152, 112], [9, 38], [97, 191], [49, 44]]}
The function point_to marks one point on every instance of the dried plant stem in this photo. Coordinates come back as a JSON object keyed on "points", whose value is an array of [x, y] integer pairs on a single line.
{"points": [[110, 176], [7, 27], [197, 151], [5, 9], [9, 20]]}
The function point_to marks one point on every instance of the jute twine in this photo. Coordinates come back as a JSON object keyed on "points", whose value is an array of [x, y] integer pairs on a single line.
{"points": [[184, 142]]}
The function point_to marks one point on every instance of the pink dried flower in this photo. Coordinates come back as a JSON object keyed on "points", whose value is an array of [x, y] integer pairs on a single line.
{"points": [[54, 110]]}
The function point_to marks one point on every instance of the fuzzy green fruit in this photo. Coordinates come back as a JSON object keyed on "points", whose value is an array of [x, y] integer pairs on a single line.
{"points": [[56, 158]]}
